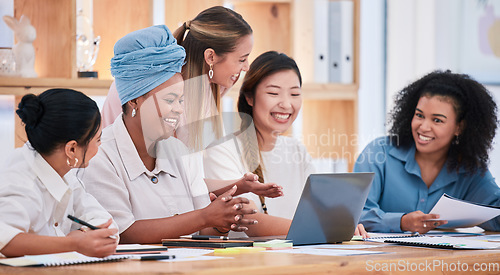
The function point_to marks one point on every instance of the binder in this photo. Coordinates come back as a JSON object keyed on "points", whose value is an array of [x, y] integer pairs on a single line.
{"points": [[340, 55], [321, 40]]}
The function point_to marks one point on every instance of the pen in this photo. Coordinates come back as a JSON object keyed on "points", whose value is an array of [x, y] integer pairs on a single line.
{"points": [[204, 237], [93, 227], [155, 257], [77, 220]]}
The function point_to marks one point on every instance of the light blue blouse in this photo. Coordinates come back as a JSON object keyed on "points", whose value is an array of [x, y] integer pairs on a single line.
{"points": [[398, 187]]}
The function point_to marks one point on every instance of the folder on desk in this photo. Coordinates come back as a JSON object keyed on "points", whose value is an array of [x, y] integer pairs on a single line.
{"points": [[205, 243]]}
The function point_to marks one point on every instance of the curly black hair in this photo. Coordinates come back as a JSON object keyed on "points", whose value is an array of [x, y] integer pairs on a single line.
{"points": [[473, 105]]}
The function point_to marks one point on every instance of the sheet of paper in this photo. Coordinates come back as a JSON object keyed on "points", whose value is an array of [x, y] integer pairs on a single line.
{"points": [[490, 238], [325, 252], [460, 213], [188, 252], [340, 246], [194, 258]]}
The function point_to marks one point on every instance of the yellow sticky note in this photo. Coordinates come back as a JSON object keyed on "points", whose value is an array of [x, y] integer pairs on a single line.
{"points": [[250, 249], [226, 251]]}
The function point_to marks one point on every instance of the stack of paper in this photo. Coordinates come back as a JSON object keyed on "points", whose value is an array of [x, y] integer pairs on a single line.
{"points": [[460, 213]]}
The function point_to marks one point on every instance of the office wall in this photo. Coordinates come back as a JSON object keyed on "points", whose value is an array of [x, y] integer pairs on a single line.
{"points": [[371, 103]]}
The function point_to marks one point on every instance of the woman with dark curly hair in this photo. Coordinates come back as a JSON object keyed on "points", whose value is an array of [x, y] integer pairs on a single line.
{"points": [[442, 129]]}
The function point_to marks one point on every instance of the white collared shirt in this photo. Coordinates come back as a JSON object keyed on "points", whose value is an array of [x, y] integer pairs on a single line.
{"points": [[35, 199], [119, 180], [288, 164]]}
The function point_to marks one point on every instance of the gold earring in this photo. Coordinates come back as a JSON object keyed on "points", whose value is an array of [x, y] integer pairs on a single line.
{"points": [[211, 71], [69, 164]]}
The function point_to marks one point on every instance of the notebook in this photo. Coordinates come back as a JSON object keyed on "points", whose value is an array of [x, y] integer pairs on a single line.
{"points": [[381, 237], [444, 242], [329, 208], [139, 249], [57, 259]]}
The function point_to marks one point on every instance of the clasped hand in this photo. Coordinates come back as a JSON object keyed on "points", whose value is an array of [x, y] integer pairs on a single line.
{"points": [[229, 212]]}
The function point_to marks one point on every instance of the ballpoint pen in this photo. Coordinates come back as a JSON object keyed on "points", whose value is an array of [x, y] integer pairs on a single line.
{"points": [[77, 220], [93, 227], [154, 257], [204, 237]]}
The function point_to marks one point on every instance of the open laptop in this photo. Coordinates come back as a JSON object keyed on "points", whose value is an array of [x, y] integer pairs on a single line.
{"points": [[329, 208]]}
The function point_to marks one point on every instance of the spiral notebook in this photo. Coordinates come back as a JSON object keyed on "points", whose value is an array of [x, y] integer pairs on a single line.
{"points": [[444, 242], [57, 259]]}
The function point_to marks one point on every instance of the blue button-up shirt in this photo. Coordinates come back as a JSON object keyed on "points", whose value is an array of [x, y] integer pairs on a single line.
{"points": [[398, 187]]}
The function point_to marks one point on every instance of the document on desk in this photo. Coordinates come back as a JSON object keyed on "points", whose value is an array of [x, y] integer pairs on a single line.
{"points": [[460, 213], [326, 252], [340, 246]]}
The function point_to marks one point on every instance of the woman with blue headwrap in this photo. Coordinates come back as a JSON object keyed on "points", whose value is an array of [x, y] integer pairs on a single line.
{"points": [[142, 174], [218, 42]]}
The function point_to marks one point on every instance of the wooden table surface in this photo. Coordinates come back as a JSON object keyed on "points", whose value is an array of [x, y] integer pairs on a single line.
{"points": [[398, 260]]}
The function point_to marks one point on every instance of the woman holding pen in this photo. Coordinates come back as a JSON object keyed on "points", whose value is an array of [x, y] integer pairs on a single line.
{"points": [[38, 185]]}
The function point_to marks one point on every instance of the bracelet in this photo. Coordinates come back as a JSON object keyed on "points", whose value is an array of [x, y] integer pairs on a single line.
{"points": [[221, 232]]}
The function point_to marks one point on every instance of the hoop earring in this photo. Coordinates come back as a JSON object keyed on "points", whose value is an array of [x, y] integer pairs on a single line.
{"points": [[211, 71], [134, 112], [69, 164]]}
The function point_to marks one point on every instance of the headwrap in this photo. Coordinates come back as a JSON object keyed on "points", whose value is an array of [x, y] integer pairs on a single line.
{"points": [[144, 59]]}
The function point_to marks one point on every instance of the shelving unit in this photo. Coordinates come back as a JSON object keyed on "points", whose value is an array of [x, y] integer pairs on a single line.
{"points": [[281, 25]]}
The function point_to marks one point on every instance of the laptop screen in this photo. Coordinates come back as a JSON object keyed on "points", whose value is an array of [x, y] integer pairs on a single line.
{"points": [[329, 208]]}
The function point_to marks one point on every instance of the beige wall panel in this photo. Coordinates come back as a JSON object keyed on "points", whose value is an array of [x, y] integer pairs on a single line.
{"points": [[271, 26], [329, 129], [179, 11], [113, 19], [55, 26]]}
